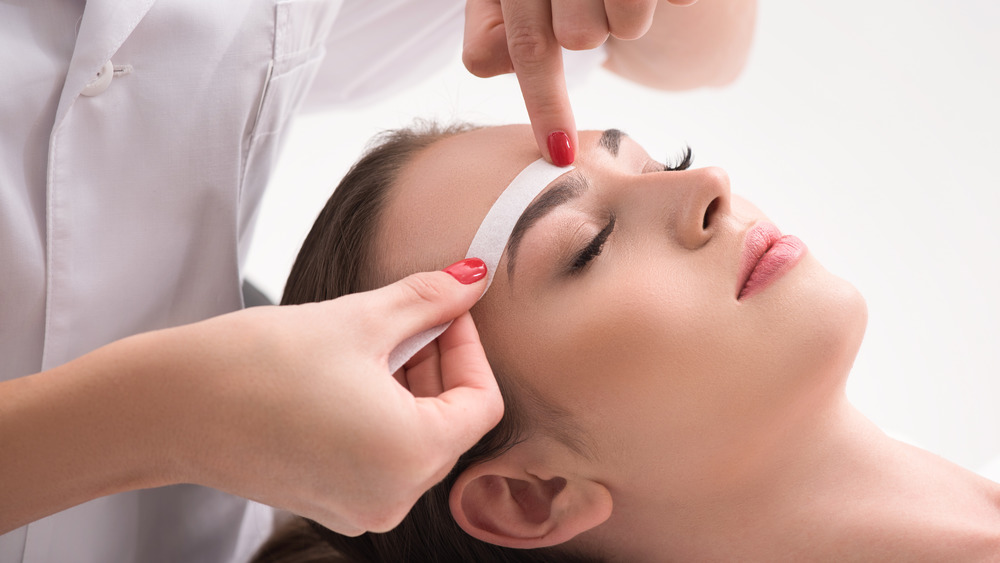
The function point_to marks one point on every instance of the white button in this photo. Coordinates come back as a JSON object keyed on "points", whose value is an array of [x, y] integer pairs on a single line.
{"points": [[101, 83]]}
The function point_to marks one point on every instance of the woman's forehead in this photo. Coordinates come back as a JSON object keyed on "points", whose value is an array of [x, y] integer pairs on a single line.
{"points": [[471, 168], [444, 193]]}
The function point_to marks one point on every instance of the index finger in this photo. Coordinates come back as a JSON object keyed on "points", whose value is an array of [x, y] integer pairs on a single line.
{"points": [[537, 61]]}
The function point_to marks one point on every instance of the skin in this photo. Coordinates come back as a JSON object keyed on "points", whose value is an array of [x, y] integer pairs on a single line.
{"points": [[210, 403], [174, 386], [720, 421], [668, 45]]}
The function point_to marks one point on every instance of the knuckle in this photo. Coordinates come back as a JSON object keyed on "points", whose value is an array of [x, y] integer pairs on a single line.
{"points": [[528, 43], [627, 34], [474, 63], [423, 289], [387, 518], [632, 18], [396, 516], [413, 471], [351, 531], [629, 31], [438, 471], [372, 520], [581, 39], [482, 64], [388, 512]]}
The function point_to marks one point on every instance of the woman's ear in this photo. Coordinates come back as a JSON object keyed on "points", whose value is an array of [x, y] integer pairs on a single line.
{"points": [[507, 502]]}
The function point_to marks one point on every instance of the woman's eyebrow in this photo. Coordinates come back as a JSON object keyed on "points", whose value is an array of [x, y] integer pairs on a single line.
{"points": [[565, 189], [611, 139]]}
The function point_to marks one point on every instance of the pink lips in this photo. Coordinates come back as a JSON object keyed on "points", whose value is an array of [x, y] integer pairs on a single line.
{"points": [[766, 257]]}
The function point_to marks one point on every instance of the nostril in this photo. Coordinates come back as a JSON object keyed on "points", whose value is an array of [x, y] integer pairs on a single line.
{"points": [[710, 213]]}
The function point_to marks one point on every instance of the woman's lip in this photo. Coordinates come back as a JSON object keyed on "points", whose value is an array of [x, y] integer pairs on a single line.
{"points": [[766, 257]]}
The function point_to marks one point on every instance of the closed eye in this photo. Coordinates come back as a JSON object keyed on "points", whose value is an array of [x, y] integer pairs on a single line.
{"points": [[592, 250]]}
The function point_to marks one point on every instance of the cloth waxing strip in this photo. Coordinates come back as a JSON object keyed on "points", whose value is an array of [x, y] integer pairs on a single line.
{"points": [[490, 241]]}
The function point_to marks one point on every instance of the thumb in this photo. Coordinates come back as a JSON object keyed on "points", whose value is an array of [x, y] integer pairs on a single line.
{"points": [[425, 300]]}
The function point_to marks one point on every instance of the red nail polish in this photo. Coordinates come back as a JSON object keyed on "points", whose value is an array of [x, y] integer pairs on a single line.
{"points": [[467, 271], [560, 149]]}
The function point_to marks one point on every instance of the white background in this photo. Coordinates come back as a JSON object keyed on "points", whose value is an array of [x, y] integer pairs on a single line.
{"points": [[868, 129]]}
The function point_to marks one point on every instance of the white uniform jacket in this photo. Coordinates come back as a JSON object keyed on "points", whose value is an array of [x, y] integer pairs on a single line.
{"points": [[126, 201]]}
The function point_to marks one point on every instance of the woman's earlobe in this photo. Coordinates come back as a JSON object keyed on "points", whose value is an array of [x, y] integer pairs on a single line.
{"points": [[510, 507]]}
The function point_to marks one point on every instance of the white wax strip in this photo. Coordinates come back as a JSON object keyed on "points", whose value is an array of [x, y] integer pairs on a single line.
{"points": [[490, 241]]}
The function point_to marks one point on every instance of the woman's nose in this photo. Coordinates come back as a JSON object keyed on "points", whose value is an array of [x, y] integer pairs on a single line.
{"points": [[702, 198]]}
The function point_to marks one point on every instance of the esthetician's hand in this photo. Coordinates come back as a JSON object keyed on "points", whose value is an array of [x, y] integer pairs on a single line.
{"points": [[291, 406], [525, 36], [311, 421]]}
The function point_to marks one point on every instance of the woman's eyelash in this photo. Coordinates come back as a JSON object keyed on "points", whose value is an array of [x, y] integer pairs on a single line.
{"points": [[684, 164], [593, 250]]}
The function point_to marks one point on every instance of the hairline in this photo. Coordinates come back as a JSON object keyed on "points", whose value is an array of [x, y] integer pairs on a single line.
{"points": [[550, 419]]}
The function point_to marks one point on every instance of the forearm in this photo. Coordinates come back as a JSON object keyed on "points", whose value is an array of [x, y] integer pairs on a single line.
{"points": [[706, 44], [291, 406], [86, 429]]}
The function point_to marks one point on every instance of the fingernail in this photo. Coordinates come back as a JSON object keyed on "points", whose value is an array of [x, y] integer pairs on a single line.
{"points": [[467, 271], [559, 149]]}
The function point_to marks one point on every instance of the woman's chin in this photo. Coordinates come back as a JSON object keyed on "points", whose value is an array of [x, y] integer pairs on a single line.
{"points": [[815, 322], [836, 324]]}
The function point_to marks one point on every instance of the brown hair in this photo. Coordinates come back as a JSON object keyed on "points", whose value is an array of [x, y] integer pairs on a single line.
{"points": [[338, 258]]}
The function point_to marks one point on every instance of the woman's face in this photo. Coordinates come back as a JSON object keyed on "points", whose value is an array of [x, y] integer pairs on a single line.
{"points": [[643, 340]]}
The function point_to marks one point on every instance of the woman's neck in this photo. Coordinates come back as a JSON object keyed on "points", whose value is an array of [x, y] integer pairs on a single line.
{"points": [[836, 488]]}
